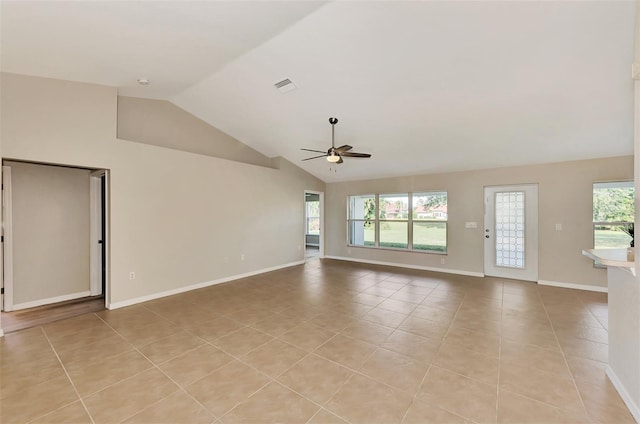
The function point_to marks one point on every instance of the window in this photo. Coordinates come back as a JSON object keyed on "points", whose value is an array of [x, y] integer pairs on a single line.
{"points": [[362, 220], [313, 216], [407, 221], [394, 221], [430, 221], [613, 211]]}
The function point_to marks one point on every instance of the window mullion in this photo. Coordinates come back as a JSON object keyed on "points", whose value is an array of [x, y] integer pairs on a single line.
{"points": [[410, 222], [376, 224]]}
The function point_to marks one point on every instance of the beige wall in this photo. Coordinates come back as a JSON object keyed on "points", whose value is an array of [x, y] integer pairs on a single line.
{"points": [[161, 123], [50, 209], [565, 197], [175, 216]]}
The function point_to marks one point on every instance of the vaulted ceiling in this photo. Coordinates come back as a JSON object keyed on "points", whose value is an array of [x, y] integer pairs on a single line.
{"points": [[423, 86]]}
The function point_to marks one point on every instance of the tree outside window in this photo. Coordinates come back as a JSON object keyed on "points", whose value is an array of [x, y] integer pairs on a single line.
{"points": [[613, 212]]}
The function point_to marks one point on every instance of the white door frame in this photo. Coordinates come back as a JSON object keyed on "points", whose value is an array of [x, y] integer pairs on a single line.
{"points": [[95, 234], [530, 272], [95, 231], [7, 246], [321, 208]]}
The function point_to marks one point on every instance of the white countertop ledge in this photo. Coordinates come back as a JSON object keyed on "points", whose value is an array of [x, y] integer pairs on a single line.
{"points": [[611, 257]]}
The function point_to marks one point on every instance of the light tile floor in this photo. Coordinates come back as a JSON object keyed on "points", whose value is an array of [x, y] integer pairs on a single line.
{"points": [[327, 342]]}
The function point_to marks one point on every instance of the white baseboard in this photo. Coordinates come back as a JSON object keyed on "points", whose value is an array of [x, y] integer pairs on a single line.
{"points": [[587, 287], [399, 265], [129, 302], [633, 407], [57, 299]]}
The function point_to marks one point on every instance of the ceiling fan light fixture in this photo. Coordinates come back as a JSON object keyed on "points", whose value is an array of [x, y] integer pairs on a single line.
{"points": [[333, 158]]}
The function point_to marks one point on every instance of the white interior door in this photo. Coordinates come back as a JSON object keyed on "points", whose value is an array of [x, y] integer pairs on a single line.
{"points": [[511, 232]]}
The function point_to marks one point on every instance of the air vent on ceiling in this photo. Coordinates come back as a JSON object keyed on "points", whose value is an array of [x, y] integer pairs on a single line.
{"points": [[285, 85]]}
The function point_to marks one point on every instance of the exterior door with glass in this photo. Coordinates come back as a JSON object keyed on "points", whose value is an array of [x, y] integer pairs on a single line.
{"points": [[511, 232]]}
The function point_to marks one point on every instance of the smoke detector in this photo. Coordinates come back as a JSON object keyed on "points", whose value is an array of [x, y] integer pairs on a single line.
{"points": [[143, 81]]}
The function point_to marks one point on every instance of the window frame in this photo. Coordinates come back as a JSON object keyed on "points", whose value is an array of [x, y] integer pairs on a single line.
{"points": [[409, 221], [622, 184], [381, 220], [439, 221], [374, 219]]}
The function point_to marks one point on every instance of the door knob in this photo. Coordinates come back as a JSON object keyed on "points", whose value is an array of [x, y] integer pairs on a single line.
{"points": [[487, 236]]}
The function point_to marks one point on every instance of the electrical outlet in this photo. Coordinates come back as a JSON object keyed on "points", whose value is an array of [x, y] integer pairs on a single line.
{"points": [[132, 275], [558, 227], [242, 257], [442, 261], [348, 251], [299, 247], [226, 259]]}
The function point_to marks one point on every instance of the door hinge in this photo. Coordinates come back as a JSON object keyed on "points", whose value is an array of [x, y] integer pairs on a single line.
{"points": [[2, 290], [1, 239]]}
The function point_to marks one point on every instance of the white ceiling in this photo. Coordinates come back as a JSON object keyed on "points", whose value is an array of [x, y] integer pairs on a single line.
{"points": [[423, 86]]}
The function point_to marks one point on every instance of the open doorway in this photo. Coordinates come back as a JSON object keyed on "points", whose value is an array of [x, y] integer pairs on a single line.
{"points": [[55, 227], [314, 223]]}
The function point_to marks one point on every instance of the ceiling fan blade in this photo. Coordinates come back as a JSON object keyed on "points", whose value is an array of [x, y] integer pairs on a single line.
{"points": [[315, 157], [344, 148], [340, 160], [355, 155], [310, 150]]}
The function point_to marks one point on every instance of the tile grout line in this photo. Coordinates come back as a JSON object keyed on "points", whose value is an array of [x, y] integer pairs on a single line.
{"points": [[354, 371], [68, 376], [564, 357], [239, 359], [344, 366], [329, 412], [500, 353], [431, 365], [414, 398], [275, 379], [502, 340], [159, 369], [555, 407]]}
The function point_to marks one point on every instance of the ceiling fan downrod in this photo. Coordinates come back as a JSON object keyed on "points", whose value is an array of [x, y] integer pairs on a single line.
{"points": [[333, 122]]}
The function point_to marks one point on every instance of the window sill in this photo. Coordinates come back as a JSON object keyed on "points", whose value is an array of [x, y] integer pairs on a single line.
{"points": [[423, 252]]}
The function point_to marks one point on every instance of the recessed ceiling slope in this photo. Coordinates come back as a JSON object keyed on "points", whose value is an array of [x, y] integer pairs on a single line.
{"points": [[172, 43]]}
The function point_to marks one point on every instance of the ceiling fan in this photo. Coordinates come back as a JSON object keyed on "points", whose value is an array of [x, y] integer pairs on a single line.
{"points": [[335, 154]]}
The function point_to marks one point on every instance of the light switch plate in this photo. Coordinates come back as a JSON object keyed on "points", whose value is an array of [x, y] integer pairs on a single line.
{"points": [[471, 225]]}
